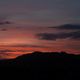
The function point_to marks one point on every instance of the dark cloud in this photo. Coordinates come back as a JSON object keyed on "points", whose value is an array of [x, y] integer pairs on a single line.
{"points": [[55, 36], [3, 29], [4, 22], [4, 53], [25, 45], [6, 50], [68, 27]]}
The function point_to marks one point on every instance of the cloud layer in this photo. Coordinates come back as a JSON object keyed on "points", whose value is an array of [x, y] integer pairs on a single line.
{"points": [[68, 27], [55, 36]]}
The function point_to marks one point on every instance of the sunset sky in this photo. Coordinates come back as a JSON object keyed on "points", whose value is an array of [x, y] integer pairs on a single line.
{"points": [[39, 25]]}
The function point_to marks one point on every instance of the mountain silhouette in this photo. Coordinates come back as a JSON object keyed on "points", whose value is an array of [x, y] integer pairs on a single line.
{"points": [[44, 65]]}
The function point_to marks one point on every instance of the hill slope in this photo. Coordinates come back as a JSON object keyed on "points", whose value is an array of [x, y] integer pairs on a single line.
{"points": [[44, 65]]}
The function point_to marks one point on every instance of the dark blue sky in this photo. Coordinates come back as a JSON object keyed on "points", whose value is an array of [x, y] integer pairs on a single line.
{"points": [[41, 12]]}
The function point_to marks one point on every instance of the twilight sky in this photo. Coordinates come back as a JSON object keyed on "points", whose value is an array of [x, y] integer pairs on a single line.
{"points": [[44, 25]]}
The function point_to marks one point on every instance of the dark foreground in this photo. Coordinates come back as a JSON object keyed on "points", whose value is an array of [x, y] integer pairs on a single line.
{"points": [[42, 66]]}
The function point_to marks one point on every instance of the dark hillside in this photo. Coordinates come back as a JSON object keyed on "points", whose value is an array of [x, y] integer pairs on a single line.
{"points": [[44, 65]]}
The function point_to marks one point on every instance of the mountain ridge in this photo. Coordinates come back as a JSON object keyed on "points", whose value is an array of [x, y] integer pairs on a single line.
{"points": [[42, 66], [43, 59]]}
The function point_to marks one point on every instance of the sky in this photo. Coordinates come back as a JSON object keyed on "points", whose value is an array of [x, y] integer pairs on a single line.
{"points": [[39, 25]]}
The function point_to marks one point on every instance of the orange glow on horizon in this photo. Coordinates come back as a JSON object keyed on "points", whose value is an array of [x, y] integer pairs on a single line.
{"points": [[17, 51]]}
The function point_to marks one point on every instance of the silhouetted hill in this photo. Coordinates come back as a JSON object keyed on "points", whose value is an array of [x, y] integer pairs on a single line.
{"points": [[44, 59], [44, 65]]}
